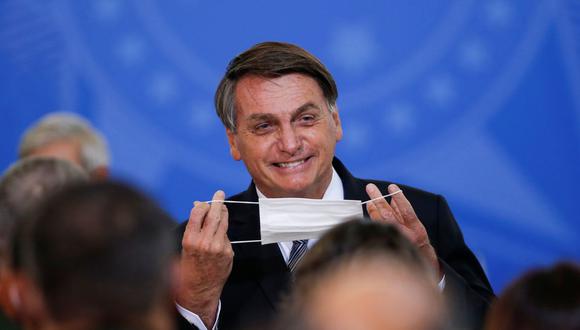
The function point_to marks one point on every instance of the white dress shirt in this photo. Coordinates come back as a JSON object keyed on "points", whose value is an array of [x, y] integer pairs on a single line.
{"points": [[334, 191]]}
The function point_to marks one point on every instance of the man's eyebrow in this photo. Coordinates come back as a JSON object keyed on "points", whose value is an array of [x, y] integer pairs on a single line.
{"points": [[260, 116], [306, 106], [267, 116]]}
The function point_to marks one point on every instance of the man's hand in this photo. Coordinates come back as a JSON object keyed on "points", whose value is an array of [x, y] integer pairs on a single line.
{"points": [[401, 214], [206, 259]]}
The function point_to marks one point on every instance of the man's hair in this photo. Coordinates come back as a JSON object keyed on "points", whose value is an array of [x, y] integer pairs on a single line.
{"points": [[542, 299], [270, 60], [359, 242], [100, 252], [354, 239], [63, 126], [25, 185]]}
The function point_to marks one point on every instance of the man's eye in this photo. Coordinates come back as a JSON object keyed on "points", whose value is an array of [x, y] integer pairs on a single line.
{"points": [[262, 127], [307, 118]]}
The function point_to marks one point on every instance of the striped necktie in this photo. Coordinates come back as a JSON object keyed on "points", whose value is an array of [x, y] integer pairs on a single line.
{"points": [[298, 250]]}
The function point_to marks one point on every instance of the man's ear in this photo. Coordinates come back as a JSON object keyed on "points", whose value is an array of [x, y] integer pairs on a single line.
{"points": [[233, 145], [100, 173], [337, 123], [9, 295], [32, 308]]}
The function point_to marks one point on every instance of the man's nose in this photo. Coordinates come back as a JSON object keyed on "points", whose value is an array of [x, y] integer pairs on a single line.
{"points": [[289, 140]]}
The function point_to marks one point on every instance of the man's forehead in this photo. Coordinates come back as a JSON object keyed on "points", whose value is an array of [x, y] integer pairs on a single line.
{"points": [[258, 94], [295, 112]]}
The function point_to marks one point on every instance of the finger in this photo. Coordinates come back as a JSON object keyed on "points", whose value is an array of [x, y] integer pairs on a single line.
{"points": [[408, 233], [373, 211], [194, 224], [395, 207], [223, 227], [375, 215], [402, 204], [213, 218], [219, 243], [385, 211], [196, 216]]}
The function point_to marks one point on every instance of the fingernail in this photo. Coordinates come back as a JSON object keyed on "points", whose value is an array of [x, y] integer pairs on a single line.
{"points": [[393, 188]]}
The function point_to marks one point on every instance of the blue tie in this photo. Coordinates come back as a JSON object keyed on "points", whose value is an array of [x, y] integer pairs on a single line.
{"points": [[298, 250]]}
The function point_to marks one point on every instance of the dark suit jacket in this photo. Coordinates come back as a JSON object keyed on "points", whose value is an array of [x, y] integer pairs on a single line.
{"points": [[260, 276]]}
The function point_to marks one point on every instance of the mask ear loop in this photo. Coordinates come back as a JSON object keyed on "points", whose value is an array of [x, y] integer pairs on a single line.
{"points": [[231, 202], [256, 203], [381, 197]]}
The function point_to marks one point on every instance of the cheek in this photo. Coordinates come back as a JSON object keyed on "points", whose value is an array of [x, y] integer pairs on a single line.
{"points": [[254, 150]]}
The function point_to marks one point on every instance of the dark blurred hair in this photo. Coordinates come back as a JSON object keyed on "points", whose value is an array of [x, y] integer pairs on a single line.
{"points": [[541, 299], [25, 185], [99, 251], [355, 240], [271, 60]]}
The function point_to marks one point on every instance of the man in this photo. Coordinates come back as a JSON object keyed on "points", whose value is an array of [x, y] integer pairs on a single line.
{"points": [[100, 256], [278, 104], [23, 187], [363, 275], [70, 137], [540, 299]]}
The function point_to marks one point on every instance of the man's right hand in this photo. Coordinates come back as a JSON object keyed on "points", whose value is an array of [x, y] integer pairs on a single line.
{"points": [[206, 259]]}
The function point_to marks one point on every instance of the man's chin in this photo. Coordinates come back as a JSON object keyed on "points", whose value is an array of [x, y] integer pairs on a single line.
{"points": [[295, 191]]}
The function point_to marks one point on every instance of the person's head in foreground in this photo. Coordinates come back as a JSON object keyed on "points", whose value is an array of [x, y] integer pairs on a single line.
{"points": [[100, 256], [67, 136], [542, 299], [363, 275], [23, 187], [278, 104]]}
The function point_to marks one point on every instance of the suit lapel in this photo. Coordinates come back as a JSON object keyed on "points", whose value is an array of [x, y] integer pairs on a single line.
{"points": [[353, 188], [275, 275], [272, 272]]}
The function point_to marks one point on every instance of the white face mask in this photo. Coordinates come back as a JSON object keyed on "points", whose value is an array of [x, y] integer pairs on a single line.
{"points": [[290, 219]]}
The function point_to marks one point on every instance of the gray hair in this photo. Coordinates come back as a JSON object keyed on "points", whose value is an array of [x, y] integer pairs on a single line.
{"points": [[26, 184], [64, 126]]}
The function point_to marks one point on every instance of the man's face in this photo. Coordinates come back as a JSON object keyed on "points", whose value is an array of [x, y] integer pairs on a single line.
{"points": [[64, 149], [286, 135], [361, 295]]}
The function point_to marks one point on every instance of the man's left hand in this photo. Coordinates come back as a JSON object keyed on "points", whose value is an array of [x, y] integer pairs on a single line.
{"points": [[401, 214]]}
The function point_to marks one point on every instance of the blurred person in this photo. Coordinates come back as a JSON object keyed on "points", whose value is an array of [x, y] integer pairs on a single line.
{"points": [[67, 136], [100, 256], [23, 187], [363, 275], [278, 105], [541, 299]]}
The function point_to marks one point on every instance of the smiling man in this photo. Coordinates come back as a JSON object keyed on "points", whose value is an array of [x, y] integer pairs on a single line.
{"points": [[286, 135], [278, 104]]}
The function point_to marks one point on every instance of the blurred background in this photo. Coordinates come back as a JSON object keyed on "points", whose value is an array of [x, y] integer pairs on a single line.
{"points": [[476, 100]]}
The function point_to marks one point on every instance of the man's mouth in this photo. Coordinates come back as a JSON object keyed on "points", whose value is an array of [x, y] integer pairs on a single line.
{"points": [[291, 164]]}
